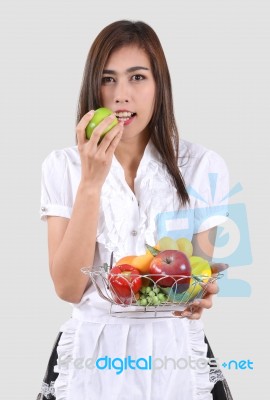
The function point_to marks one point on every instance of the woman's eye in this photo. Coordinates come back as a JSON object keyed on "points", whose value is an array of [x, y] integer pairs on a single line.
{"points": [[137, 77], [107, 79]]}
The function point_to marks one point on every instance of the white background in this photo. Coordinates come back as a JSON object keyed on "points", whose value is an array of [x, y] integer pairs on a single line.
{"points": [[218, 55]]}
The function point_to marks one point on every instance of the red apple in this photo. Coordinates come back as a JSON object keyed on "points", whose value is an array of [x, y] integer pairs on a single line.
{"points": [[171, 268]]}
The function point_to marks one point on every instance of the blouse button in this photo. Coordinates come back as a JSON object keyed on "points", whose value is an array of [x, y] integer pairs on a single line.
{"points": [[43, 209], [134, 233]]}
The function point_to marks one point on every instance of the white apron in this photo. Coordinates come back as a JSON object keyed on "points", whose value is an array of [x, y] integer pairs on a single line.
{"points": [[165, 357]]}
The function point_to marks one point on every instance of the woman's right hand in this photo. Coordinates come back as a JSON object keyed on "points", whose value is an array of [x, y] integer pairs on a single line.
{"points": [[96, 158]]}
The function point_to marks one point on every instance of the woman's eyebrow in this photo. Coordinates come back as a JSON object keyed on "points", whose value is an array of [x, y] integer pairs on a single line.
{"points": [[131, 69]]}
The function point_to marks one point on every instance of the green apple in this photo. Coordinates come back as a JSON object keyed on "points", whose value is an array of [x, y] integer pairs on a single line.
{"points": [[99, 116]]}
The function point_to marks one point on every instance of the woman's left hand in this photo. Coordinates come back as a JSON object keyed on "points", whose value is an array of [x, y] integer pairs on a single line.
{"points": [[195, 309]]}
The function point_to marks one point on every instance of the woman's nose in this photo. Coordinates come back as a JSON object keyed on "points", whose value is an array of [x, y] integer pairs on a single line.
{"points": [[121, 93]]}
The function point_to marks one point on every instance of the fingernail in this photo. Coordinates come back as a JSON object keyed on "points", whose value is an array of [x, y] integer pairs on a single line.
{"points": [[186, 314], [91, 112], [196, 302], [177, 313]]}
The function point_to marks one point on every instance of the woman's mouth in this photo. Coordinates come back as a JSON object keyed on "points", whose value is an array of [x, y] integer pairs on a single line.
{"points": [[125, 116]]}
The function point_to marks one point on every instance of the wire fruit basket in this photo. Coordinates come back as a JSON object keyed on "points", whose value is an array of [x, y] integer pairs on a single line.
{"points": [[153, 299]]}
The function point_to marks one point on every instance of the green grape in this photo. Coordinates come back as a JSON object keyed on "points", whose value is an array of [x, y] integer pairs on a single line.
{"points": [[143, 302], [161, 296], [143, 289], [148, 289], [167, 243], [156, 290]]}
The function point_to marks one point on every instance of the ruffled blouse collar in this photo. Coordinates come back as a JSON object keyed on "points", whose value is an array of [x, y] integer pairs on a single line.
{"points": [[154, 193]]}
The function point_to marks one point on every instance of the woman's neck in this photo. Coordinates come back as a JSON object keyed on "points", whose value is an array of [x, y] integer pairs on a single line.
{"points": [[129, 152]]}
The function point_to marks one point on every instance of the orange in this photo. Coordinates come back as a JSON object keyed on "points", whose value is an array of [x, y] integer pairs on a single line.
{"points": [[125, 260], [142, 263]]}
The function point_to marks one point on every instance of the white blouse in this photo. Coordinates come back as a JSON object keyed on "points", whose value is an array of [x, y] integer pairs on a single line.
{"points": [[127, 222]]}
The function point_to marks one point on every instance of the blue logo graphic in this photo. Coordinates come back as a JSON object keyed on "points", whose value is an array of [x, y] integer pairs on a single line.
{"points": [[121, 364], [232, 245], [242, 364]]}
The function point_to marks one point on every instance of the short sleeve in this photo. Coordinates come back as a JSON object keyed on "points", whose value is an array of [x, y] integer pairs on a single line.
{"points": [[55, 197], [211, 205]]}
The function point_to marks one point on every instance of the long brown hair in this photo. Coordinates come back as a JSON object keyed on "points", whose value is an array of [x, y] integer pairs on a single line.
{"points": [[162, 126]]}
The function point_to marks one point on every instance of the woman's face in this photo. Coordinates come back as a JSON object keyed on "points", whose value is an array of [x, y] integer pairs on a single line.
{"points": [[128, 89]]}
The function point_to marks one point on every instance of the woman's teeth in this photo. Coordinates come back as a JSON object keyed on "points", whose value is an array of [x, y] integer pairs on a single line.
{"points": [[124, 116]]}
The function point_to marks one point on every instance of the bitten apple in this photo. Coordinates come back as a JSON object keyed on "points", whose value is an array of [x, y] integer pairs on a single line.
{"points": [[99, 115]]}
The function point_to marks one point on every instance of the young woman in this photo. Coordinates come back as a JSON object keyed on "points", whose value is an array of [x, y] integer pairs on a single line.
{"points": [[115, 196]]}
